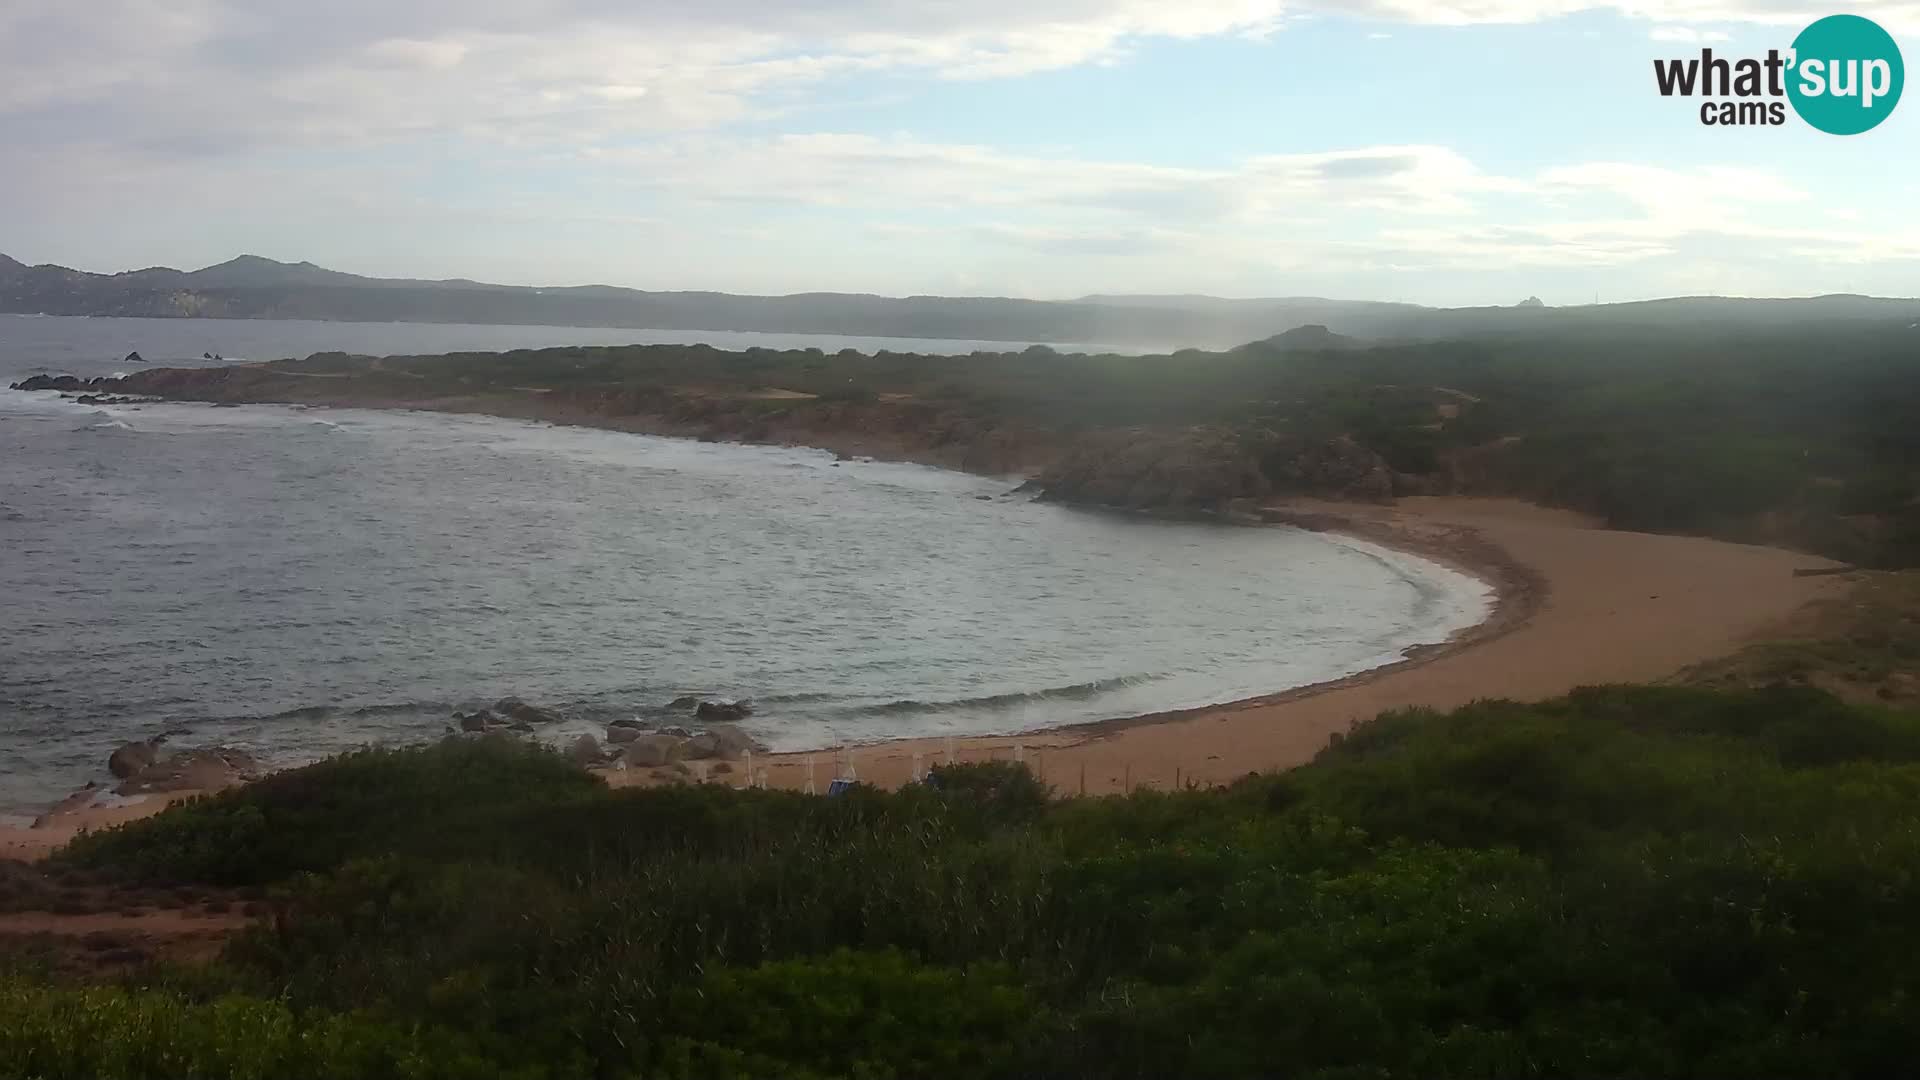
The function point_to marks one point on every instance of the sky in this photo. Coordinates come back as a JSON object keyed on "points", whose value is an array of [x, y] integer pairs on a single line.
{"points": [[1446, 152]]}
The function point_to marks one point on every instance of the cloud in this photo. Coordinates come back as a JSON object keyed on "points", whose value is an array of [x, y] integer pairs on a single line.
{"points": [[1687, 35], [187, 117], [189, 76]]}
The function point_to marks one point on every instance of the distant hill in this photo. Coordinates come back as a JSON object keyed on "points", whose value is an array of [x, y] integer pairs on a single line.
{"points": [[251, 287], [1314, 338]]}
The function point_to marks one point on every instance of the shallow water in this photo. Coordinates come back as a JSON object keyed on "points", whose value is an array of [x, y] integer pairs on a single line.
{"points": [[300, 581]]}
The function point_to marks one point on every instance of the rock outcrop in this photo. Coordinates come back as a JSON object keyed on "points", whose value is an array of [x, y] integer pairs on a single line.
{"points": [[209, 769], [131, 758], [1200, 469]]}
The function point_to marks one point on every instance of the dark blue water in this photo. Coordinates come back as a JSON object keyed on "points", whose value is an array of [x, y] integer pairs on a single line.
{"points": [[302, 581]]}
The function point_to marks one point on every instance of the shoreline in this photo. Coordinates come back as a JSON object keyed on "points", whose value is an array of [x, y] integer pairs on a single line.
{"points": [[1498, 541], [1518, 594], [1571, 611]]}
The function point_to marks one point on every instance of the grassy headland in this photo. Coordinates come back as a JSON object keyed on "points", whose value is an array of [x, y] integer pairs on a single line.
{"points": [[1801, 437]]}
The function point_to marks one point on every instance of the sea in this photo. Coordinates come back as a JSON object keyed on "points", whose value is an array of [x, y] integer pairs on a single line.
{"points": [[302, 581]]}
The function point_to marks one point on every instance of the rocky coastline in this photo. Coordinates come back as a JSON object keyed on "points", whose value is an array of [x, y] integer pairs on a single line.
{"points": [[1202, 470]]}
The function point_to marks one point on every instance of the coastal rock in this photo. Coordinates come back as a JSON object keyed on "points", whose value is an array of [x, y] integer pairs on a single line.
{"points": [[476, 721], [730, 742], [1203, 469], [723, 710], [131, 759], [618, 733], [52, 382], [652, 751], [135, 358], [628, 722], [685, 701], [209, 769], [517, 710], [585, 751]]}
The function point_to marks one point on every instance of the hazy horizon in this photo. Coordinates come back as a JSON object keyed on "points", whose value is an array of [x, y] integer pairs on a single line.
{"points": [[1438, 152], [986, 296]]}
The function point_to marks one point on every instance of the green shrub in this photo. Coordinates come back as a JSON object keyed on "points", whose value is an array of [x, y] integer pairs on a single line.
{"points": [[317, 817], [49, 1034], [1626, 881]]}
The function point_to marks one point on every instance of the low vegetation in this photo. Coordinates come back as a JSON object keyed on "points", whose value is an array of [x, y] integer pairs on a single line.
{"points": [[1628, 881], [1800, 435]]}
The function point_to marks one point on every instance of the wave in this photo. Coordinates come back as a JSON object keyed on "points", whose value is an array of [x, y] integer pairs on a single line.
{"points": [[1073, 692], [322, 712]]}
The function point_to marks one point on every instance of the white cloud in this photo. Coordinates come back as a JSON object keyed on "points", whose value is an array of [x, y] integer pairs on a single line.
{"points": [[1687, 35], [567, 112], [202, 74]]}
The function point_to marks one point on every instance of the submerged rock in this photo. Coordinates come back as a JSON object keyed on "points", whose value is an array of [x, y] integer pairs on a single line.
{"points": [[723, 710], [685, 701], [515, 709]]}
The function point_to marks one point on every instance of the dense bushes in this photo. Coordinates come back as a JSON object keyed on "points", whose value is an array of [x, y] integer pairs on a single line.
{"points": [[360, 803], [82, 1034], [1625, 881]]}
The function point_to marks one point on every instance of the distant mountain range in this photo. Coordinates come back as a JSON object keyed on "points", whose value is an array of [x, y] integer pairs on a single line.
{"points": [[251, 287]]}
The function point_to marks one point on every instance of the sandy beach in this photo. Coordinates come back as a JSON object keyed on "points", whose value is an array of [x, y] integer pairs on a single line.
{"points": [[1578, 605]]}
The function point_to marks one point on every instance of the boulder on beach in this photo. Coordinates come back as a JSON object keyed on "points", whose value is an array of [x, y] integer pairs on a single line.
{"points": [[725, 741], [651, 751], [585, 751], [732, 741], [618, 733], [131, 758]]}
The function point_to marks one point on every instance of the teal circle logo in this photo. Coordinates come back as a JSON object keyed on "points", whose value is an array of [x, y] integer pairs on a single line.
{"points": [[1847, 75]]}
